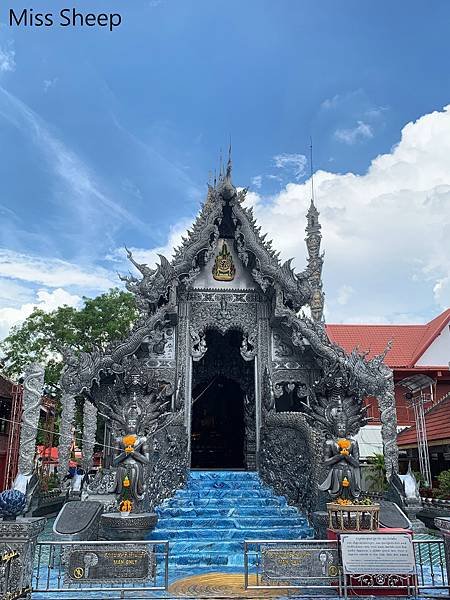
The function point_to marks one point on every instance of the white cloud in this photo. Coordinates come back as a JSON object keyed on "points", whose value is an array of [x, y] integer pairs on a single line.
{"points": [[53, 272], [386, 232], [362, 131], [87, 197], [28, 281], [330, 103], [45, 300], [257, 181], [49, 83], [150, 257], [14, 291], [295, 163], [7, 60], [344, 293]]}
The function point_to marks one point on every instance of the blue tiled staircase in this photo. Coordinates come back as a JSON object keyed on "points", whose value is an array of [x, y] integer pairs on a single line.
{"points": [[207, 522]]}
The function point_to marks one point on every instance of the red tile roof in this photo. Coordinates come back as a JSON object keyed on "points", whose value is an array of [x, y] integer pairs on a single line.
{"points": [[437, 423], [409, 341]]}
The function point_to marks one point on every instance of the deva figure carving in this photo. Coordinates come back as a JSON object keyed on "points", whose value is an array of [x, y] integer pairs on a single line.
{"points": [[133, 460], [340, 415], [341, 457], [135, 412]]}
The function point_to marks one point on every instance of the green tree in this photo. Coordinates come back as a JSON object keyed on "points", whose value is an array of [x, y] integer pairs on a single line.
{"points": [[443, 490], [377, 472], [41, 336]]}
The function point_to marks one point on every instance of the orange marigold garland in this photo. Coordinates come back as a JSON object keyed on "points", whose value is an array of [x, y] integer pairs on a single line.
{"points": [[129, 442], [344, 502], [344, 445]]}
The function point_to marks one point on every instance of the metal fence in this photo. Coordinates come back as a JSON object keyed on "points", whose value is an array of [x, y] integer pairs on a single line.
{"points": [[74, 570], [287, 565], [90, 569], [275, 564], [431, 571]]}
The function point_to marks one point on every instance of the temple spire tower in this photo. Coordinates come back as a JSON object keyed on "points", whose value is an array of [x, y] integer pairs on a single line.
{"points": [[226, 188], [315, 261]]}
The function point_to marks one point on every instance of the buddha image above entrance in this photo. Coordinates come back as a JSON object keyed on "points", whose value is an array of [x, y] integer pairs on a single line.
{"points": [[223, 265]]}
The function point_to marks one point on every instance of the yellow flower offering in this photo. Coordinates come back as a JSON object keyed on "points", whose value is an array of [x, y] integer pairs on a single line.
{"points": [[344, 502], [344, 445], [129, 442], [126, 506], [126, 481], [345, 482]]}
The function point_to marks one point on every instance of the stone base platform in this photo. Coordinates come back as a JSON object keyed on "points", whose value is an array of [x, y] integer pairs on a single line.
{"points": [[114, 526]]}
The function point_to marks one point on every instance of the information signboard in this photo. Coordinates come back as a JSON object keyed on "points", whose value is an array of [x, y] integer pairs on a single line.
{"points": [[293, 562], [108, 563], [375, 554]]}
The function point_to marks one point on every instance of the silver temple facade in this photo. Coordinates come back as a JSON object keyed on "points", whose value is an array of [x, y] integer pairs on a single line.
{"points": [[229, 351]]}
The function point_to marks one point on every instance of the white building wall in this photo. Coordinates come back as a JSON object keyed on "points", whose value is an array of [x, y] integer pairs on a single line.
{"points": [[438, 353]]}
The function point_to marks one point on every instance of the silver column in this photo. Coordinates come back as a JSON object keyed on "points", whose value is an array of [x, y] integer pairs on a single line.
{"points": [[89, 432], [386, 404], [65, 437], [33, 387]]}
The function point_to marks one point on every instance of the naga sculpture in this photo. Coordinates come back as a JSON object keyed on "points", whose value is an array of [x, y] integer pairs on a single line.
{"points": [[341, 457], [135, 412], [340, 414]]}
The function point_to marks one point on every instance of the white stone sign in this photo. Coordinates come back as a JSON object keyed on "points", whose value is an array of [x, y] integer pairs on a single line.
{"points": [[378, 554]]}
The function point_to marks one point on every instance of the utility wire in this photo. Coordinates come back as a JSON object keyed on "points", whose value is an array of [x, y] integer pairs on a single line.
{"points": [[106, 446]]}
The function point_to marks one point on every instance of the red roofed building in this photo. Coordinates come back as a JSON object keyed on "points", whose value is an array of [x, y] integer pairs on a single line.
{"points": [[5, 418], [418, 352]]}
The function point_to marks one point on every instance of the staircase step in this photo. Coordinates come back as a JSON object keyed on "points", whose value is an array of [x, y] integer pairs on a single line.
{"points": [[226, 502], [208, 521], [219, 534], [215, 493], [211, 512], [238, 522], [206, 546], [225, 484], [223, 475]]}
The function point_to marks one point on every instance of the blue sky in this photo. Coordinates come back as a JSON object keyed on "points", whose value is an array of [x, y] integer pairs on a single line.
{"points": [[109, 138]]}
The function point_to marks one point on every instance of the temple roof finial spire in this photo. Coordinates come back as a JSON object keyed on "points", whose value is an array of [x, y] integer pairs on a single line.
{"points": [[315, 258], [230, 163], [311, 169]]}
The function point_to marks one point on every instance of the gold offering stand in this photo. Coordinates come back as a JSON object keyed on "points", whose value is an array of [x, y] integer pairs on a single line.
{"points": [[353, 517]]}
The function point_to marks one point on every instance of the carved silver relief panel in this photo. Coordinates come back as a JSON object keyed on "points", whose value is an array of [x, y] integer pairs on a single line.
{"points": [[223, 311]]}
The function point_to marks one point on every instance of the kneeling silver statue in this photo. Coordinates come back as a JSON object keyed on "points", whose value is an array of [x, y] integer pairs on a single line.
{"points": [[339, 414], [341, 457]]}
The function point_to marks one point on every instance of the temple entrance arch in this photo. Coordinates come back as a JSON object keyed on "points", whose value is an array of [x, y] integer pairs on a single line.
{"points": [[223, 405], [218, 425]]}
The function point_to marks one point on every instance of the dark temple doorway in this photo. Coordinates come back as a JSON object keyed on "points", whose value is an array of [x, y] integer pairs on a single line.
{"points": [[222, 392], [218, 427]]}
